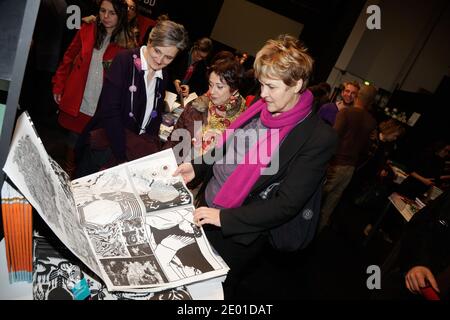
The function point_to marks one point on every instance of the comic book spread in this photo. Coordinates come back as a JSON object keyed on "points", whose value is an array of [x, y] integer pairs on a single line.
{"points": [[56, 273], [131, 225]]}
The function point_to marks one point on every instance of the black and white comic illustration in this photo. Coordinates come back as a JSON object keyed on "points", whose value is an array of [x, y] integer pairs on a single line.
{"points": [[56, 271], [176, 241], [130, 224], [107, 241], [136, 272], [157, 188], [74, 232], [36, 175], [45, 186], [105, 198]]}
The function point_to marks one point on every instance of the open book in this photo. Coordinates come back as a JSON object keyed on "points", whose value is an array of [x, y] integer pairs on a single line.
{"points": [[405, 206], [174, 111], [171, 100], [131, 225]]}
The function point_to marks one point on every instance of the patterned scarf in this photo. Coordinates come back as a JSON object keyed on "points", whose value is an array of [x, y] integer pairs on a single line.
{"points": [[219, 119]]}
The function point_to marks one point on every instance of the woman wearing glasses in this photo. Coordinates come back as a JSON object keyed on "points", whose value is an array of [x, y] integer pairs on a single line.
{"points": [[129, 113]]}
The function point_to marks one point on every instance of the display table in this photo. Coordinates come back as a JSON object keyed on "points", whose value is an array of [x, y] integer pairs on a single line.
{"points": [[205, 290]]}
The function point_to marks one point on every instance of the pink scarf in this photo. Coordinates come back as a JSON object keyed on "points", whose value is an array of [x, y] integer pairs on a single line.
{"points": [[240, 182]]}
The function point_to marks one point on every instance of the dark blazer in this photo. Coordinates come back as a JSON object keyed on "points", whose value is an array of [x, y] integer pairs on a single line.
{"points": [[427, 237], [302, 165], [115, 102], [177, 69]]}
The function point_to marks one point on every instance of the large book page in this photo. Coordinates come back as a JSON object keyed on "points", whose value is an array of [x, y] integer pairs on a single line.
{"points": [[48, 189], [132, 224], [139, 221]]}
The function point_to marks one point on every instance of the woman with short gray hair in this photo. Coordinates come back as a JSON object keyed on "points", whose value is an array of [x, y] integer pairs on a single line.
{"points": [[168, 33], [131, 104]]}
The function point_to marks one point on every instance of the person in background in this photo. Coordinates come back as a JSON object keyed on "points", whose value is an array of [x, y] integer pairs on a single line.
{"points": [[382, 145], [88, 8], [239, 204], [78, 80], [328, 111], [133, 23], [161, 17], [214, 111], [354, 127], [131, 104], [242, 57], [427, 169], [373, 180], [424, 257], [187, 73], [321, 93], [45, 53]]}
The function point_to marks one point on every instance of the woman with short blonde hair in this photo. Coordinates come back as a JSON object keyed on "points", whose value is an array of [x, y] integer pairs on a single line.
{"points": [[286, 59], [244, 203]]}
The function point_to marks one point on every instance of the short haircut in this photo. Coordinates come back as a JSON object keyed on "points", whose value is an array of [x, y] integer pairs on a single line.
{"points": [[228, 68], [367, 94], [203, 45], [285, 59], [167, 33], [352, 83]]}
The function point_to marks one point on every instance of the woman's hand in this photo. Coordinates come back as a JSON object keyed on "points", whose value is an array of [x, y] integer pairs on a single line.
{"points": [[186, 170], [57, 98], [417, 278], [184, 90], [89, 19], [205, 215]]}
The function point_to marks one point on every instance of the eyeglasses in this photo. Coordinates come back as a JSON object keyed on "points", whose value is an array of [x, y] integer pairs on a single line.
{"points": [[131, 8]]}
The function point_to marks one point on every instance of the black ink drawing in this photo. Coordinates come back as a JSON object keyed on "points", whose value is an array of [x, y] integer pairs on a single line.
{"points": [[72, 228], [53, 275], [157, 188], [64, 180], [133, 232], [107, 241], [175, 244], [140, 250], [165, 195], [105, 198], [106, 208], [138, 271], [56, 270], [37, 178], [131, 224]]}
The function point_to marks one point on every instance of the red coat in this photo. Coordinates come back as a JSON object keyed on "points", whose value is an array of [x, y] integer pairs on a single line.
{"points": [[71, 76]]}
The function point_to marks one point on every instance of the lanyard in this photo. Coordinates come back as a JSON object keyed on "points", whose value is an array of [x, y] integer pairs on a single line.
{"points": [[156, 97]]}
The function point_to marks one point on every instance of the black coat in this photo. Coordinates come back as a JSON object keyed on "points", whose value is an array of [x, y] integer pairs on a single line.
{"points": [[115, 102], [302, 166], [427, 237]]}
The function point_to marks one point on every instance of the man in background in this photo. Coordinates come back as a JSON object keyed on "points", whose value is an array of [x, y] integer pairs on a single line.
{"points": [[329, 111], [354, 127]]}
